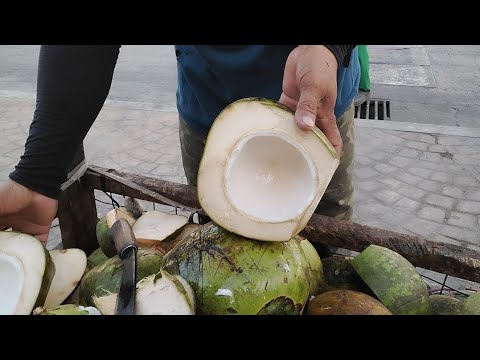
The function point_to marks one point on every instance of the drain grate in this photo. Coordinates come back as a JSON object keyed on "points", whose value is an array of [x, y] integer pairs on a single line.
{"points": [[373, 109]]}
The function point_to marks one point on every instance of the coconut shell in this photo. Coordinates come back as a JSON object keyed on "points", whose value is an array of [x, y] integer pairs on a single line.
{"points": [[394, 280], [317, 282], [446, 305], [230, 274], [472, 304], [346, 302], [105, 278], [96, 258]]}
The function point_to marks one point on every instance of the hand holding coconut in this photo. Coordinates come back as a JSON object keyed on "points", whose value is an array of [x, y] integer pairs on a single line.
{"points": [[26, 211], [310, 88]]}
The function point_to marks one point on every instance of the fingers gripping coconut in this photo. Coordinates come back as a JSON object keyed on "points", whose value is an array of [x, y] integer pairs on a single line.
{"points": [[310, 88]]}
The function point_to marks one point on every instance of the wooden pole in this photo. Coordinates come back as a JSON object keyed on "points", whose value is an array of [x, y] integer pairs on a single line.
{"points": [[444, 258], [77, 211]]}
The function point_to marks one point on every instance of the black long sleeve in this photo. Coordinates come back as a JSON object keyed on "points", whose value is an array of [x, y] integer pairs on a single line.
{"points": [[342, 53], [72, 85]]}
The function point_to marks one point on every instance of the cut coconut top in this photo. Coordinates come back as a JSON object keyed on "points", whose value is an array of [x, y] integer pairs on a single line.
{"points": [[261, 176], [119, 213], [70, 266], [158, 225], [23, 251], [11, 280]]}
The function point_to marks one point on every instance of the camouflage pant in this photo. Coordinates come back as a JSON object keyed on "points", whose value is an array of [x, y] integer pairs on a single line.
{"points": [[337, 200]]}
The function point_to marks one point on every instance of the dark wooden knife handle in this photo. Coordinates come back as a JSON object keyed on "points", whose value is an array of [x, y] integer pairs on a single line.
{"points": [[121, 234]]}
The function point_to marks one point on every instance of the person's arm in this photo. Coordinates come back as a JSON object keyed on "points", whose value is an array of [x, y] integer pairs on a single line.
{"points": [[72, 86]]}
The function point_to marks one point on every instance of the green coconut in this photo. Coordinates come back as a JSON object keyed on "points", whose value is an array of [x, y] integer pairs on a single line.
{"points": [[446, 305], [105, 278], [394, 280], [68, 309], [317, 282], [96, 258], [104, 225], [230, 274], [26, 273], [340, 274], [157, 294], [346, 302], [472, 304]]}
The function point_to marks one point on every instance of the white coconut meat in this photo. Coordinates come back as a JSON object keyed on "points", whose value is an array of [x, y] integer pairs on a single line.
{"points": [[12, 277], [260, 175], [160, 294], [70, 266], [154, 226], [120, 213], [26, 272]]}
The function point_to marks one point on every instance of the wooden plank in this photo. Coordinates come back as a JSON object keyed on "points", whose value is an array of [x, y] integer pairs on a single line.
{"points": [[181, 193], [441, 257], [444, 258], [77, 212]]}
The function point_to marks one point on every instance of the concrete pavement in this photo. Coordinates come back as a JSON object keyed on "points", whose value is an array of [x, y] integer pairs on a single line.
{"points": [[418, 173]]}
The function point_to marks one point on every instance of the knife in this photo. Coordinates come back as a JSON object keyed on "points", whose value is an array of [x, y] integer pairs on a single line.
{"points": [[121, 234]]}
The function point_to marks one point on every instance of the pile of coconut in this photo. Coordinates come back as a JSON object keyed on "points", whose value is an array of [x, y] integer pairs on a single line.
{"points": [[260, 180]]}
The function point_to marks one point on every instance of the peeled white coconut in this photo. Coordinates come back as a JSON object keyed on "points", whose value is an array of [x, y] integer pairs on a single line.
{"points": [[261, 176], [26, 272], [154, 226], [70, 266], [158, 294]]}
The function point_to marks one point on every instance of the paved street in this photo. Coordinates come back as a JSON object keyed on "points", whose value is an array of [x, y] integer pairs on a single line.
{"points": [[418, 173]]}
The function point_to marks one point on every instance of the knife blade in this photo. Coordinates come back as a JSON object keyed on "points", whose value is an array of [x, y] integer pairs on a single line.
{"points": [[122, 235]]}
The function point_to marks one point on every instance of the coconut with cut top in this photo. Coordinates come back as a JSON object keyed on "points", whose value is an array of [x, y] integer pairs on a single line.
{"points": [[105, 224], [260, 175], [26, 273]]}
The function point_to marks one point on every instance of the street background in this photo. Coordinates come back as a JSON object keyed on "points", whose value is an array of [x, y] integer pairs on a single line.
{"points": [[416, 173]]}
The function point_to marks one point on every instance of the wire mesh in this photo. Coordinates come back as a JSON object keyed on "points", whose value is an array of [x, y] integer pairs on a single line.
{"points": [[437, 283]]}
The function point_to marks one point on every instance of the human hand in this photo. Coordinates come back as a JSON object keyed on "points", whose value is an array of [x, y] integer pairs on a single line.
{"points": [[310, 88], [26, 211]]}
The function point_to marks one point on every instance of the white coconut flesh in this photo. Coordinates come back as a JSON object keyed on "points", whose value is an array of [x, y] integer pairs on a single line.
{"points": [[167, 295], [11, 282], [70, 266], [260, 175], [119, 213], [276, 173], [23, 266], [154, 226]]}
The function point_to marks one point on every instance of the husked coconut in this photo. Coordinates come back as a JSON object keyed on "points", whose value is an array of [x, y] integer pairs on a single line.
{"points": [[260, 175], [26, 273], [157, 294]]}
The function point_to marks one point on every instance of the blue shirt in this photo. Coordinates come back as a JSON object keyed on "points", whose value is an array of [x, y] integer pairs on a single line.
{"points": [[212, 77]]}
